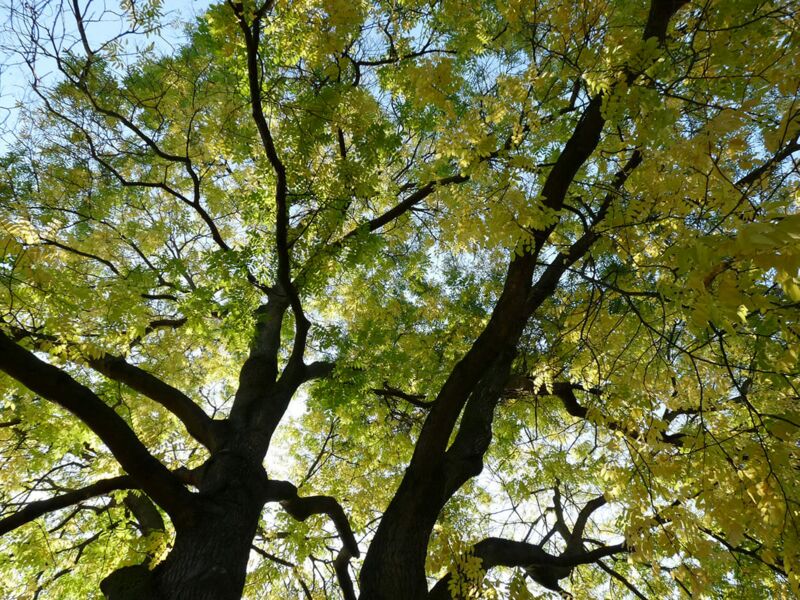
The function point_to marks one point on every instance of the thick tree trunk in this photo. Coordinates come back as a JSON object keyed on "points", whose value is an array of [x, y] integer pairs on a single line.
{"points": [[209, 558], [208, 561], [394, 567]]}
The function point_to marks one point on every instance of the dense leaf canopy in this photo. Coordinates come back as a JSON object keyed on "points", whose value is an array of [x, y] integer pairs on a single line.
{"points": [[507, 290]]}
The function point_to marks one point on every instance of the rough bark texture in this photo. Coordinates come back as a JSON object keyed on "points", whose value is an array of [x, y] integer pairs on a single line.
{"points": [[207, 562], [209, 558]]}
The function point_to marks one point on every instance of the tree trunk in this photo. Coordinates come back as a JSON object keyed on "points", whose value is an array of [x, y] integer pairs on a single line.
{"points": [[207, 562], [209, 558], [394, 567]]}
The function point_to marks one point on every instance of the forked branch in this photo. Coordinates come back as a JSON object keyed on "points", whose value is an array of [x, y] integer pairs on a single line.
{"points": [[252, 36], [58, 387]]}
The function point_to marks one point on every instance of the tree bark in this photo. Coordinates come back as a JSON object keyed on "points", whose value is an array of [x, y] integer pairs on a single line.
{"points": [[208, 561], [209, 558], [394, 567]]}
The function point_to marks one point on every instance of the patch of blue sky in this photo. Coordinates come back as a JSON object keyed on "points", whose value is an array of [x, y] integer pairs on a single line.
{"points": [[32, 35]]}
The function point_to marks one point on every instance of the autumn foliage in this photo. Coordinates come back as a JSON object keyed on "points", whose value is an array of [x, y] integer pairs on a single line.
{"points": [[400, 300]]}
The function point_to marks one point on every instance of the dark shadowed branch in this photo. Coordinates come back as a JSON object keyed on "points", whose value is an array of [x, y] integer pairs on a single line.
{"points": [[36, 509], [622, 579], [301, 508], [252, 36], [388, 391], [199, 425], [475, 379], [406, 204], [58, 387], [566, 393], [496, 552]]}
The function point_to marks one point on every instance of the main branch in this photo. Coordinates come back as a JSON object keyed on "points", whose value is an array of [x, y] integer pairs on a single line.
{"points": [[58, 387]]}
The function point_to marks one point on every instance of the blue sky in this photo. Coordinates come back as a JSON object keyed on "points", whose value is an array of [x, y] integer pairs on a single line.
{"points": [[15, 75]]}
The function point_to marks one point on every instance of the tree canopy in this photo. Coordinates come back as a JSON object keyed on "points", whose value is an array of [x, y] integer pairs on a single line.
{"points": [[401, 299]]}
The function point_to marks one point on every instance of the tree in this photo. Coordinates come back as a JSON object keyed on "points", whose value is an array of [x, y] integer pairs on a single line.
{"points": [[523, 274]]}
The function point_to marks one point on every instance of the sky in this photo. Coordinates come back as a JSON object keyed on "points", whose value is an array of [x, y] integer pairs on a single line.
{"points": [[15, 76]]}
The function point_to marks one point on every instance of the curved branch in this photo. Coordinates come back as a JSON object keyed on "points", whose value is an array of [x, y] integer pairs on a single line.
{"points": [[566, 393], [497, 552], [303, 508], [111, 266], [394, 558], [520, 297], [198, 424], [575, 539], [36, 509], [58, 387]]}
